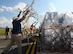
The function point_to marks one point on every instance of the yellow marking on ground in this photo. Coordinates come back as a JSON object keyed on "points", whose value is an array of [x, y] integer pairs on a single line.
{"points": [[27, 52], [33, 49]]}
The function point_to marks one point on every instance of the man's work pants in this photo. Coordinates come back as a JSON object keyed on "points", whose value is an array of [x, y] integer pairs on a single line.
{"points": [[15, 38]]}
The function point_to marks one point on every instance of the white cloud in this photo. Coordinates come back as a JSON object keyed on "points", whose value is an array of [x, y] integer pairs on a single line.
{"points": [[52, 7], [5, 22], [20, 6], [1, 10], [8, 8]]}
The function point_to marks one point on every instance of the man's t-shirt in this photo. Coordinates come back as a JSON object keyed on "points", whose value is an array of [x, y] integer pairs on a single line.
{"points": [[16, 27], [7, 29]]}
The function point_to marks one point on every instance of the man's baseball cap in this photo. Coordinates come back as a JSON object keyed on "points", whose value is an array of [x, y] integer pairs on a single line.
{"points": [[15, 18]]}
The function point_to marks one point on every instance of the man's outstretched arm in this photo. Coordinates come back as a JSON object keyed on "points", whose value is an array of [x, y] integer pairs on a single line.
{"points": [[19, 14], [24, 16]]}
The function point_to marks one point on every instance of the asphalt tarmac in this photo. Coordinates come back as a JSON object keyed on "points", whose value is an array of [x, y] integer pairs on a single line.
{"points": [[13, 50]]}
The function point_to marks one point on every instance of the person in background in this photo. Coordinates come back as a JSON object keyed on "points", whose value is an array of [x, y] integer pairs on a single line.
{"points": [[6, 32], [16, 33]]}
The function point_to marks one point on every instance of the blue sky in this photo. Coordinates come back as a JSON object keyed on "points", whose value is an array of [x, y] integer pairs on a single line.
{"points": [[8, 8]]}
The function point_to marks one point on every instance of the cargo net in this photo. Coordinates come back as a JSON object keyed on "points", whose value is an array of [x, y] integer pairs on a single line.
{"points": [[55, 37]]}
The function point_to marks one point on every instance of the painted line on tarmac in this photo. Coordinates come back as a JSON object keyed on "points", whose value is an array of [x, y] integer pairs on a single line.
{"points": [[29, 48], [33, 48]]}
